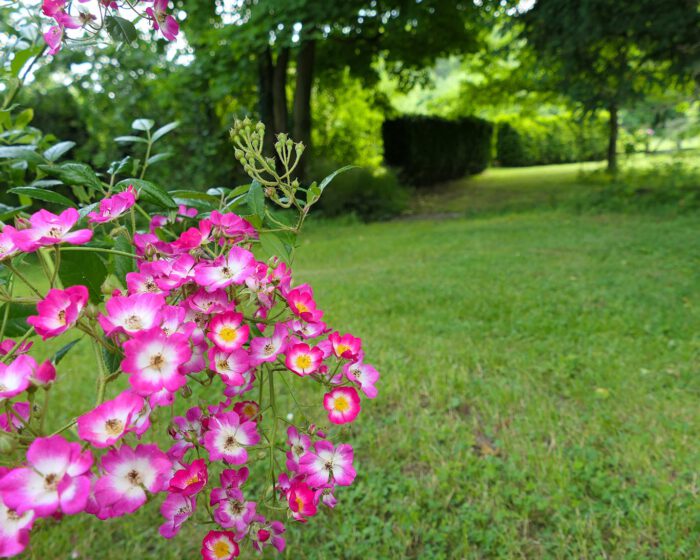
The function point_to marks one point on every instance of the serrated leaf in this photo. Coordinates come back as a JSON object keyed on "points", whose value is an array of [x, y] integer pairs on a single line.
{"points": [[63, 350], [77, 174], [333, 175], [120, 29], [57, 150], [159, 157], [21, 58], [130, 139], [20, 153], [123, 265], [149, 192], [17, 325], [163, 130], [83, 268], [273, 246], [142, 124], [43, 194], [256, 199]]}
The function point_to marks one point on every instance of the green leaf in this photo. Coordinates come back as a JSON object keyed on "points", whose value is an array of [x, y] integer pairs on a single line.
{"points": [[130, 139], [120, 29], [142, 124], [46, 183], [63, 350], [85, 210], [83, 268], [256, 199], [112, 360], [57, 150], [149, 192], [21, 58], [195, 195], [17, 325], [163, 130], [123, 265], [43, 194], [77, 174], [7, 212], [273, 246], [159, 157], [20, 152], [24, 118], [333, 175], [117, 167]]}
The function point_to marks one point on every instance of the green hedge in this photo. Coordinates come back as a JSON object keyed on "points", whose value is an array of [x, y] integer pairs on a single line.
{"points": [[428, 150], [546, 140]]}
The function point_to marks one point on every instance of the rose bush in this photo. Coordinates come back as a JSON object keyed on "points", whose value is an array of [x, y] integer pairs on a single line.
{"points": [[179, 292]]}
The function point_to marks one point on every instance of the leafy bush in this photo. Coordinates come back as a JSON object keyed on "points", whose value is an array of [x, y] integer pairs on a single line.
{"points": [[429, 149], [545, 140], [369, 194], [674, 186]]}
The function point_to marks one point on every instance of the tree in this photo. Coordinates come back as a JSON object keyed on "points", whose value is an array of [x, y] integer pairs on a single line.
{"points": [[606, 54]]}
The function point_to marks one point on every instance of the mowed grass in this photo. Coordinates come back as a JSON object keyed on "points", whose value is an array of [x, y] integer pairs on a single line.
{"points": [[539, 392]]}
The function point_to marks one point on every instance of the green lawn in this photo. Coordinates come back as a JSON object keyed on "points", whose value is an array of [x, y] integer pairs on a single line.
{"points": [[539, 392]]}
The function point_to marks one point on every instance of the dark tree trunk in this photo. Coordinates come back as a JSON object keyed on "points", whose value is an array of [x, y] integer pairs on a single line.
{"points": [[612, 139], [265, 98], [279, 91], [302, 100]]}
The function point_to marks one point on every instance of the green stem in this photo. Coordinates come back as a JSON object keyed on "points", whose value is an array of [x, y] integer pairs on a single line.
{"points": [[6, 314], [7, 357], [100, 250], [24, 279], [102, 379], [273, 405]]}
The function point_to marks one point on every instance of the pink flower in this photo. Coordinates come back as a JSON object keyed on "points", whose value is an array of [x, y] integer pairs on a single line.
{"points": [[302, 501], [153, 360], [14, 530], [364, 375], [228, 437], [16, 420], [129, 474], [219, 545], [232, 511], [177, 508], [114, 207], [230, 365], [49, 229], [342, 404], [326, 465], [346, 346], [16, 377], [190, 426], [299, 445], [307, 330], [247, 410], [7, 246], [132, 314], [56, 479], [263, 533], [232, 226], [43, 375], [233, 268], [190, 480], [51, 7], [162, 20], [227, 331], [302, 359], [53, 38], [111, 420], [172, 274], [267, 349], [58, 311], [208, 303], [301, 302]]}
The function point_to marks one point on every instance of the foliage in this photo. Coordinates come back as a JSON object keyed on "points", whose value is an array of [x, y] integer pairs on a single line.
{"points": [[545, 140], [370, 194], [430, 149]]}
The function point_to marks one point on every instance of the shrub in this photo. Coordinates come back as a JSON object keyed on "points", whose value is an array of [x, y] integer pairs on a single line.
{"points": [[428, 150], [545, 140], [369, 194]]}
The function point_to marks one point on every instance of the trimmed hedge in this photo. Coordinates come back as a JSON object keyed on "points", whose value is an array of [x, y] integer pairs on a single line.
{"points": [[545, 140], [428, 150]]}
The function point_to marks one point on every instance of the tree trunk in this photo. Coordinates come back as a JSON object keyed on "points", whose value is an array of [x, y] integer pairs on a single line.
{"points": [[279, 91], [265, 98], [302, 100], [612, 139]]}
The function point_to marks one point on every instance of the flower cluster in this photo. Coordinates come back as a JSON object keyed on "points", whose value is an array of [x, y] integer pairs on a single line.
{"points": [[199, 312], [91, 19]]}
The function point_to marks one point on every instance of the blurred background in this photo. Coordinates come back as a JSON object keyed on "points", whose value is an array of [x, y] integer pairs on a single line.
{"points": [[517, 247]]}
